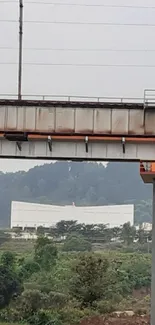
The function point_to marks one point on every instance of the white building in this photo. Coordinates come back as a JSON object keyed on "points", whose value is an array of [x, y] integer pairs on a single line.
{"points": [[147, 226], [31, 215]]}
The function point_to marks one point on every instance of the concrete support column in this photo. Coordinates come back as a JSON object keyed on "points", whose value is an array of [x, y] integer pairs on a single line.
{"points": [[153, 260]]}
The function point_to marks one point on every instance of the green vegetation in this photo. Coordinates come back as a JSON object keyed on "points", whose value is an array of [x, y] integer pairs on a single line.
{"points": [[83, 183], [21, 246], [93, 270], [60, 284], [75, 243], [82, 237], [45, 253], [71, 236]]}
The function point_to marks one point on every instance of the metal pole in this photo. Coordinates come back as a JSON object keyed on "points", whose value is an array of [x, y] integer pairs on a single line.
{"points": [[20, 49], [153, 261]]}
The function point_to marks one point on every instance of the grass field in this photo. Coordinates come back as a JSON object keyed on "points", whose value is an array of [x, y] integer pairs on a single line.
{"points": [[18, 246], [9, 324]]}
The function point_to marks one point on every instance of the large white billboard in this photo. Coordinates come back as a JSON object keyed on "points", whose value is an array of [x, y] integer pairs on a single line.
{"points": [[35, 215]]}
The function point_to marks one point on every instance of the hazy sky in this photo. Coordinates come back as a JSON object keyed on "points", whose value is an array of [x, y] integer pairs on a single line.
{"points": [[73, 80]]}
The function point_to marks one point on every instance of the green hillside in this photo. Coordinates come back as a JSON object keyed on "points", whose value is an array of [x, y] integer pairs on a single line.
{"points": [[83, 183]]}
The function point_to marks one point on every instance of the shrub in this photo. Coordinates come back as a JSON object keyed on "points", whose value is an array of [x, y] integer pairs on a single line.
{"points": [[10, 315], [30, 302], [57, 300], [89, 282], [76, 243], [141, 311], [28, 268], [8, 259], [72, 315], [43, 317], [105, 307]]}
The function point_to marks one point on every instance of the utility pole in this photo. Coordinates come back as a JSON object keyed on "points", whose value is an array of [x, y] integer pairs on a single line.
{"points": [[20, 49]]}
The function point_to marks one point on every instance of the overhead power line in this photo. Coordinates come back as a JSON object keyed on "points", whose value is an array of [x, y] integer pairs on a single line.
{"points": [[80, 4], [88, 5], [9, 1], [89, 23], [8, 21], [83, 65], [78, 23], [91, 65], [80, 49]]}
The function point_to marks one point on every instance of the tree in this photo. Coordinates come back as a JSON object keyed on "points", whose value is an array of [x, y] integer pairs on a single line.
{"points": [[88, 231], [45, 252], [4, 237], [41, 241], [48, 256], [64, 227], [10, 285], [116, 232], [128, 233], [28, 268], [76, 244], [150, 235], [40, 230], [8, 259], [18, 232], [139, 272], [142, 236], [30, 302], [89, 281]]}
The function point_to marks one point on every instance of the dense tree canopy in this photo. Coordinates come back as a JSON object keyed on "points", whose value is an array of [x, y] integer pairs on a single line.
{"points": [[65, 287]]}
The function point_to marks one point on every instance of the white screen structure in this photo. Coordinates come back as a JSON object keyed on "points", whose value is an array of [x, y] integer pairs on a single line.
{"points": [[31, 215]]}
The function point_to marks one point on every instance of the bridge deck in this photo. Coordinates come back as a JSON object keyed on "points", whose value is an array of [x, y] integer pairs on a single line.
{"points": [[76, 118], [72, 104]]}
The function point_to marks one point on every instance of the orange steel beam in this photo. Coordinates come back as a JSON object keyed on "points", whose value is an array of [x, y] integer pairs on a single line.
{"points": [[90, 138], [147, 172]]}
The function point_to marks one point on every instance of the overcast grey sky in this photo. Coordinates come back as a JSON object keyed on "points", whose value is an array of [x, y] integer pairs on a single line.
{"points": [[84, 81]]}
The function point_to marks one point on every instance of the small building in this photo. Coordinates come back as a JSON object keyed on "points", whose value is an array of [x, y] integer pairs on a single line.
{"points": [[147, 226]]}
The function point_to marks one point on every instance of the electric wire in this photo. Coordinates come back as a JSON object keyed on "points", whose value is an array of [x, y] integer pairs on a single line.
{"points": [[89, 5], [79, 23], [78, 49], [69, 4], [82, 65]]}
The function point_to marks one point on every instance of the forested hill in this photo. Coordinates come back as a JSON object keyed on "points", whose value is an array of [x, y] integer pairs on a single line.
{"points": [[83, 183]]}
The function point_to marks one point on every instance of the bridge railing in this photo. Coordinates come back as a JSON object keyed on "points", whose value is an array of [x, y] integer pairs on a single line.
{"points": [[149, 98], [75, 98]]}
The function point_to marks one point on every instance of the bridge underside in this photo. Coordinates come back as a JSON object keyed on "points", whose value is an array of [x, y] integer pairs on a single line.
{"points": [[84, 150]]}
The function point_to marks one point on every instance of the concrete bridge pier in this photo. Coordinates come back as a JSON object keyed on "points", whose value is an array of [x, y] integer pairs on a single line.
{"points": [[147, 172], [153, 260]]}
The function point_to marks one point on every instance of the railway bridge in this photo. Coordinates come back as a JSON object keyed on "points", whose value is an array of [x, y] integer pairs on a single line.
{"points": [[83, 129], [77, 128]]}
